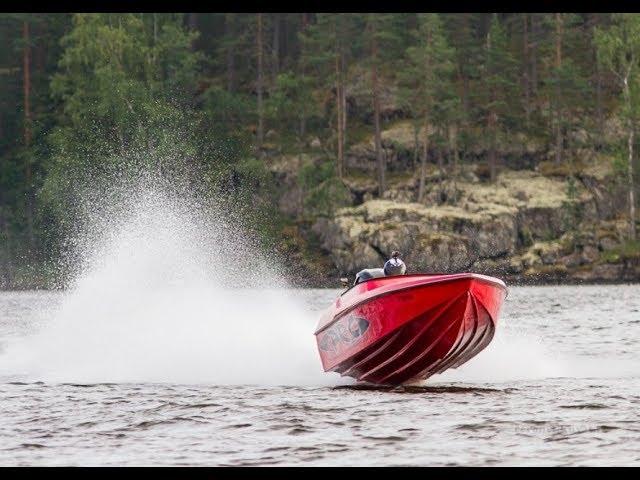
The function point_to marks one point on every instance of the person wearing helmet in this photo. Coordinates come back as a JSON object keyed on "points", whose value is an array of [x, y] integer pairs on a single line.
{"points": [[393, 266]]}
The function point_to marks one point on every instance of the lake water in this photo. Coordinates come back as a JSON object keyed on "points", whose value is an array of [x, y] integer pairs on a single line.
{"points": [[180, 380]]}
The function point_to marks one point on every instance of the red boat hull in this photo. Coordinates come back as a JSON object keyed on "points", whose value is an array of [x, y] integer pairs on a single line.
{"points": [[394, 330]]}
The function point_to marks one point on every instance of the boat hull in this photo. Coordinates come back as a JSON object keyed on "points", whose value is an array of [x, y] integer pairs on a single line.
{"points": [[397, 330]]}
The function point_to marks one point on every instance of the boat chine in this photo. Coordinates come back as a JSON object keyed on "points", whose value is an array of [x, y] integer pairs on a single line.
{"points": [[395, 330]]}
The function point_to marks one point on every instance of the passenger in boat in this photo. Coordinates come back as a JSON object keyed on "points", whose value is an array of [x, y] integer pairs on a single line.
{"points": [[393, 266]]}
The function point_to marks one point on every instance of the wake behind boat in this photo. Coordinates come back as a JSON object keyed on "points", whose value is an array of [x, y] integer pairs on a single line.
{"points": [[404, 328]]}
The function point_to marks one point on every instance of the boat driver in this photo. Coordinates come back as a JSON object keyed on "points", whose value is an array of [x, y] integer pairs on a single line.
{"points": [[393, 266]]}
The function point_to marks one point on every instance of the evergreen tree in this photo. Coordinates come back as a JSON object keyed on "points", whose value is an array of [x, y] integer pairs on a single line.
{"points": [[618, 50], [26, 115], [326, 53], [567, 81], [383, 45], [79, 93], [427, 83], [126, 83], [499, 88]]}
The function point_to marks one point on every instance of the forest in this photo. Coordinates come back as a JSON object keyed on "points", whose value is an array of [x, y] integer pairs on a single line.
{"points": [[231, 93]]}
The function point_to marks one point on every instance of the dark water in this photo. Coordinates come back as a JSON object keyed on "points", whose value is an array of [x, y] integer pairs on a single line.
{"points": [[560, 385]]}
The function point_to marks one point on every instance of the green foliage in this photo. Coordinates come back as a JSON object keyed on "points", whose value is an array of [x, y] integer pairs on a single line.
{"points": [[618, 48], [126, 83], [324, 192], [115, 92], [121, 78], [388, 28], [228, 113], [619, 159], [498, 73], [572, 209], [629, 250], [427, 84], [321, 41], [289, 102]]}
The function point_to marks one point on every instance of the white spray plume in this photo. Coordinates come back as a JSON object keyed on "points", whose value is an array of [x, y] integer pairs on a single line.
{"points": [[170, 290]]}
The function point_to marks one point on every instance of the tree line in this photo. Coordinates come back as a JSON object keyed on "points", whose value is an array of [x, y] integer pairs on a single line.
{"points": [[81, 91]]}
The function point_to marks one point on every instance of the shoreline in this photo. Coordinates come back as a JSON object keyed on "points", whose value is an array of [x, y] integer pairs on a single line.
{"points": [[326, 285]]}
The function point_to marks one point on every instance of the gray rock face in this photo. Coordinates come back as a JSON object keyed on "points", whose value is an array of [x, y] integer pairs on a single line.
{"points": [[541, 223], [517, 226], [492, 237], [590, 254], [430, 239], [524, 225], [284, 172]]}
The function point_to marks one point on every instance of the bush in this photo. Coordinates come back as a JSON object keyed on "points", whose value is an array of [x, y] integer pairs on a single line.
{"points": [[629, 250], [323, 191]]}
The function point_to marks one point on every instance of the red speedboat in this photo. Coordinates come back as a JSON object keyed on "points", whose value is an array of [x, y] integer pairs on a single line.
{"points": [[405, 328]]}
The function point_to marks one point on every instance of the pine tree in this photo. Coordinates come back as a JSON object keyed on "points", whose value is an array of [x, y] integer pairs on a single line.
{"points": [[259, 83], [499, 86], [383, 44], [326, 48], [464, 35], [618, 49], [427, 82]]}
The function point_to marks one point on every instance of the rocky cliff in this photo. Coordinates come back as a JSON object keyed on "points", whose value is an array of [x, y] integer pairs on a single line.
{"points": [[537, 224]]}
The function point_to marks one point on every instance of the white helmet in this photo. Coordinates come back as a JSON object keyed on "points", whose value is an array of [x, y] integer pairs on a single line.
{"points": [[394, 266]]}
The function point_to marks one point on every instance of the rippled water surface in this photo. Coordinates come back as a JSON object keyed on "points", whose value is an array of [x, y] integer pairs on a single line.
{"points": [[559, 385]]}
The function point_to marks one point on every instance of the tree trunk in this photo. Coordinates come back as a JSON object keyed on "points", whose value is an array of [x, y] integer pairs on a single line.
{"points": [[558, 40], [448, 150], [453, 139], [342, 95], [155, 33], [525, 69], [303, 70], [340, 165], [465, 78], [41, 50], [343, 90], [376, 109], [632, 200], [26, 70], [598, 80], [283, 53], [466, 107], [260, 74], [193, 26], [441, 172], [193, 21], [558, 102], [27, 128], [534, 57], [275, 51], [231, 59], [492, 124], [599, 113], [6, 256], [416, 145], [423, 160], [425, 152]]}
